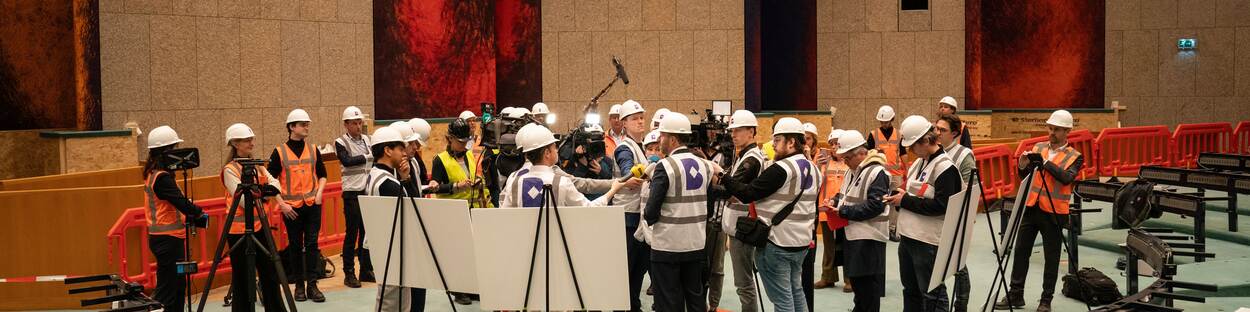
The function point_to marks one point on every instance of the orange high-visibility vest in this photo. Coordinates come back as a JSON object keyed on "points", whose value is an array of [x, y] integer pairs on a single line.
{"points": [[835, 172], [163, 218], [299, 175], [1060, 195], [890, 147], [237, 226]]}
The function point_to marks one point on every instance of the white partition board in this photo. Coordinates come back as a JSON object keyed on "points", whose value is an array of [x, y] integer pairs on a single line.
{"points": [[450, 232]]}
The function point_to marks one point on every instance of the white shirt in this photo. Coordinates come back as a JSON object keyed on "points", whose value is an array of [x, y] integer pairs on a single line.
{"points": [[522, 190]]}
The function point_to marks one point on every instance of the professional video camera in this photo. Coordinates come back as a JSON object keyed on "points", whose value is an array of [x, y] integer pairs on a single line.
{"points": [[500, 133], [712, 132]]}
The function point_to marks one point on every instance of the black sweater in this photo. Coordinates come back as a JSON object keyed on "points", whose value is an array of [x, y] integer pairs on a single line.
{"points": [[166, 189], [297, 147]]}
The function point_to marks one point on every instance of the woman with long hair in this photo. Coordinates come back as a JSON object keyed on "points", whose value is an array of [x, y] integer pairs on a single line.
{"points": [[239, 137], [166, 209]]}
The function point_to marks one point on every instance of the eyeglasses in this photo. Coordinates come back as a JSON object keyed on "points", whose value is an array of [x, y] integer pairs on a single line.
{"points": [[942, 130]]}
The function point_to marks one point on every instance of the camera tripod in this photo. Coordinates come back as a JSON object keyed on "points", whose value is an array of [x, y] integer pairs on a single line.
{"points": [[251, 195]]}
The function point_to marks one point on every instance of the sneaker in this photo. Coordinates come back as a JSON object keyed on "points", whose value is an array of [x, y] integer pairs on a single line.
{"points": [[349, 279], [315, 294], [299, 292]]}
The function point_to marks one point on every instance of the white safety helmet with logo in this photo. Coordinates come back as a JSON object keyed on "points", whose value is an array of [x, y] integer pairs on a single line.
{"points": [[652, 137], [885, 113], [675, 123], [742, 118], [386, 135], [540, 108], [532, 137], [352, 113], [421, 129], [659, 116], [614, 110], [913, 128], [834, 135], [238, 131], [849, 140], [162, 136], [405, 131], [811, 128], [631, 107], [788, 125], [297, 115], [1060, 118]]}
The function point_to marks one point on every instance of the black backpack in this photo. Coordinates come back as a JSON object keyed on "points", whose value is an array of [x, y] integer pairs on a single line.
{"points": [[1092, 287], [1132, 205]]}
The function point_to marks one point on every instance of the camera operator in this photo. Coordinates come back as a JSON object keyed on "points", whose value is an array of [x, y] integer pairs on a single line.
{"points": [[240, 139], [303, 174], [166, 209], [746, 168], [390, 166], [586, 159], [524, 187]]}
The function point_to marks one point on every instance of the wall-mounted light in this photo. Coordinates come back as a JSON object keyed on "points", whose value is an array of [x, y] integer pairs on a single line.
{"points": [[1186, 44]]}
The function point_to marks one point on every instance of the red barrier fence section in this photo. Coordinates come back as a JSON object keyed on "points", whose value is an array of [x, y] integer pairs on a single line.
{"points": [[1122, 151], [1082, 140], [997, 167], [132, 223], [1241, 138], [1189, 140]]}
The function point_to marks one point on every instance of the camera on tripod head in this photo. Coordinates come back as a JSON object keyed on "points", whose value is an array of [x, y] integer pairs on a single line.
{"points": [[713, 131], [500, 133], [589, 136], [180, 159], [248, 178]]}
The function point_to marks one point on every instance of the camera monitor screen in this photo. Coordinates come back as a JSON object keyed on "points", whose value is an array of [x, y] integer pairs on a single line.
{"points": [[721, 108]]}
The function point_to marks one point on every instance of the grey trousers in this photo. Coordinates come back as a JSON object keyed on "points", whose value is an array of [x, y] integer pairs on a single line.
{"points": [[396, 298], [743, 257], [716, 280]]}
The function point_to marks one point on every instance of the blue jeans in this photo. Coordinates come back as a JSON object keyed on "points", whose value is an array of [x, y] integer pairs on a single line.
{"points": [[781, 274]]}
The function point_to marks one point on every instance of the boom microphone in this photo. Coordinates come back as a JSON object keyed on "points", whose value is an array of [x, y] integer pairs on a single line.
{"points": [[620, 70]]}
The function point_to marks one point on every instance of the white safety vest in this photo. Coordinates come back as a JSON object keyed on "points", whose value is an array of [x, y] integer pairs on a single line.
{"points": [[376, 178], [854, 192], [625, 197], [958, 153], [729, 218], [354, 176], [920, 181], [682, 224], [801, 177]]}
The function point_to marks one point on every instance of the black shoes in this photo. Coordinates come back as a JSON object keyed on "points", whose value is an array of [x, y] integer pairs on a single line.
{"points": [[299, 292], [349, 279], [1011, 302], [315, 294], [366, 276]]}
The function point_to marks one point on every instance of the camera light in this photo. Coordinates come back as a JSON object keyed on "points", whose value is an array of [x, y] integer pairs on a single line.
{"points": [[551, 119], [593, 118]]}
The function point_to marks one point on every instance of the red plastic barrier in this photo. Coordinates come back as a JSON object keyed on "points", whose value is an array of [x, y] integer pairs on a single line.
{"points": [[1082, 140], [997, 167], [203, 245], [1189, 140], [1122, 151], [1241, 138]]}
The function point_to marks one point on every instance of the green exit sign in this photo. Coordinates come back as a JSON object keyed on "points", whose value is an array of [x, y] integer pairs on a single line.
{"points": [[1186, 44]]}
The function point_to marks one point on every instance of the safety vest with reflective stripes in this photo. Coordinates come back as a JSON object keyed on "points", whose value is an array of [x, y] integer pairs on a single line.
{"points": [[920, 179], [801, 178], [1060, 195], [729, 218], [238, 225], [958, 153], [683, 215], [376, 178], [526, 189], [299, 175], [890, 147], [855, 188], [456, 174], [354, 176], [630, 199], [163, 218]]}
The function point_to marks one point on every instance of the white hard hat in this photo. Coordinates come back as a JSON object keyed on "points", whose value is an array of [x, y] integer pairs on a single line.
{"points": [[466, 115], [834, 135], [788, 125], [914, 127], [297, 115], [539, 109], [405, 131], [652, 137], [420, 128], [614, 110], [386, 135], [631, 107], [659, 115], [885, 113], [949, 101], [849, 140], [352, 113], [238, 131], [505, 111], [742, 118], [162, 136], [675, 123], [811, 128], [532, 137], [517, 112], [1060, 118]]}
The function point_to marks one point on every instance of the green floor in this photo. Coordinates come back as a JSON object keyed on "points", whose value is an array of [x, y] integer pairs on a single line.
{"points": [[1097, 249]]}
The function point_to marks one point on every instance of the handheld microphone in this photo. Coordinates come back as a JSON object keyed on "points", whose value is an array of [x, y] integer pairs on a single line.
{"points": [[635, 172], [620, 70]]}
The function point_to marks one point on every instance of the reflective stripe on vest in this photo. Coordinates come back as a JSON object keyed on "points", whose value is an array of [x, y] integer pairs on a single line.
{"points": [[456, 174], [1060, 194], [856, 192], [299, 176], [631, 200], [734, 210], [920, 183], [376, 178], [890, 147], [163, 218], [354, 176], [801, 178], [683, 218], [238, 225]]}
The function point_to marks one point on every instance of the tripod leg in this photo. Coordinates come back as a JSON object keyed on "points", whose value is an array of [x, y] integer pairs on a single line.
{"points": [[225, 229], [277, 262]]}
